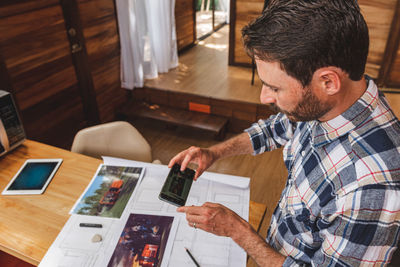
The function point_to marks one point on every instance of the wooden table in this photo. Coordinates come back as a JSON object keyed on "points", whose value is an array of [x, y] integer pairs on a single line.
{"points": [[30, 224]]}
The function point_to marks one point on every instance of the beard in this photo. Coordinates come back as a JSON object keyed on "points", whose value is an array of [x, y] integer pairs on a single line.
{"points": [[308, 109]]}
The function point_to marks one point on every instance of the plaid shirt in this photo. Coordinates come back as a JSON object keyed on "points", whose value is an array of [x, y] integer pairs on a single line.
{"points": [[341, 203]]}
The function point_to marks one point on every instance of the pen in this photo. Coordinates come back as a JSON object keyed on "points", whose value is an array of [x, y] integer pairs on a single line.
{"points": [[94, 225], [191, 256]]}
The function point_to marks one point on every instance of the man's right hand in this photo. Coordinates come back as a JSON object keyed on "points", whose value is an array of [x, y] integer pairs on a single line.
{"points": [[203, 157]]}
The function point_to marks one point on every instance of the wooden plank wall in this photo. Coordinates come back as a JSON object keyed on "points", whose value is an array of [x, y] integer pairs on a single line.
{"points": [[394, 76], [379, 15], [36, 54], [246, 11], [49, 81], [185, 23], [102, 44]]}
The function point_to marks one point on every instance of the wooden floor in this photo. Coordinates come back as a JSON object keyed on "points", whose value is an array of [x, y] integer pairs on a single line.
{"points": [[203, 70], [394, 101]]}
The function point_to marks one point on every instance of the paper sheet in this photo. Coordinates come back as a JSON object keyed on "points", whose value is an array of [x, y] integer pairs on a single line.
{"points": [[69, 249]]}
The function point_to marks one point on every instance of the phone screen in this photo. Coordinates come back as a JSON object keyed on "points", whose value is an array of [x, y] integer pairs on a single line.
{"points": [[176, 187]]}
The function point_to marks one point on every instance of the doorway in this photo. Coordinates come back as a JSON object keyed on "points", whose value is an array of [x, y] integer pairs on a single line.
{"points": [[211, 15]]}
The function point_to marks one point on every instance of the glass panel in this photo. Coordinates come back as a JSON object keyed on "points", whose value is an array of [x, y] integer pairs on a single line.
{"points": [[203, 17], [221, 12]]}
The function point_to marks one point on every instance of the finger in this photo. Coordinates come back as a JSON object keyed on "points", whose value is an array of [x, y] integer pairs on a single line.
{"points": [[181, 209], [212, 205], [196, 176], [176, 159], [190, 155], [199, 171], [190, 209], [171, 162], [202, 226]]}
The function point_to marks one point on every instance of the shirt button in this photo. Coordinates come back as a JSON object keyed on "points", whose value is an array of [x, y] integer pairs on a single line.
{"points": [[303, 153]]}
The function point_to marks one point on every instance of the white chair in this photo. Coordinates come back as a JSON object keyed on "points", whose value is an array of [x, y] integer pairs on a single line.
{"points": [[116, 139]]}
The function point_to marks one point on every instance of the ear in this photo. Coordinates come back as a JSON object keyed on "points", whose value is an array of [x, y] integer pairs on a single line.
{"points": [[328, 80]]}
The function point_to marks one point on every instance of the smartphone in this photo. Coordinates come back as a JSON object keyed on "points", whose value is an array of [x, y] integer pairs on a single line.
{"points": [[176, 187]]}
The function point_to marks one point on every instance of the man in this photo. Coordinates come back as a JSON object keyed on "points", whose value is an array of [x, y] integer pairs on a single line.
{"points": [[340, 206]]}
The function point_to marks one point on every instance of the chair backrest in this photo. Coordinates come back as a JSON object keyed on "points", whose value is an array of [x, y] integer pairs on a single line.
{"points": [[115, 139]]}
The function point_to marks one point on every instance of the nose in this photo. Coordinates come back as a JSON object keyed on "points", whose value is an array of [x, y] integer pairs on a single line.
{"points": [[266, 97]]}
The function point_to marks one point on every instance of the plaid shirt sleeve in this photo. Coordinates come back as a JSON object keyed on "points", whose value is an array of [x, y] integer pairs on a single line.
{"points": [[359, 229], [267, 135]]}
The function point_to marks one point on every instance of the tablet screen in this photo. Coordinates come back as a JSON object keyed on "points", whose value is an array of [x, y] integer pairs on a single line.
{"points": [[33, 176]]}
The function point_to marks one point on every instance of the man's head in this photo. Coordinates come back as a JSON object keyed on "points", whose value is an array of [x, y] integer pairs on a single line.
{"points": [[304, 36]]}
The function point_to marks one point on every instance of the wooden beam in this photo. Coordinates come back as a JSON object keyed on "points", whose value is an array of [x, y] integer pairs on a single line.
{"points": [[232, 25], [80, 59], [392, 46]]}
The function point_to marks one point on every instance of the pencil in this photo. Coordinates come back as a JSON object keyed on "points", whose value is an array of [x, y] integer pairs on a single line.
{"points": [[191, 256]]}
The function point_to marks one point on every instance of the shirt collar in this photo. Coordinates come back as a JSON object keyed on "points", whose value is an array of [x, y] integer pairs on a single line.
{"points": [[325, 132]]}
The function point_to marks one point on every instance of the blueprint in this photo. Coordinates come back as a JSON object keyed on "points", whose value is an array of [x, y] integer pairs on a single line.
{"points": [[73, 246]]}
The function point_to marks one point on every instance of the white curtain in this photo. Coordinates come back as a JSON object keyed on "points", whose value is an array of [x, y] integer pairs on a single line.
{"points": [[148, 39]]}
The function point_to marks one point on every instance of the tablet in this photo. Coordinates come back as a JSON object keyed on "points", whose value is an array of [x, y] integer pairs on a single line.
{"points": [[33, 177]]}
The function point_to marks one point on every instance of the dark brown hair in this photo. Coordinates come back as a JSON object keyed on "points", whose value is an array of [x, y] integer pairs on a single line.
{"points": [[305, 35]]}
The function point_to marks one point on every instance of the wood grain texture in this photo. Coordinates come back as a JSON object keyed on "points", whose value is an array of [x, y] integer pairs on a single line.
{"points": [[394, 102], [37, 57], [203, 70], [204, 77], [12, 7], [246, 11], [23, 232], [392, 79], [394, 75], [184, 21], [11, 261], [102, 44], [379, 15], [256, 214]]}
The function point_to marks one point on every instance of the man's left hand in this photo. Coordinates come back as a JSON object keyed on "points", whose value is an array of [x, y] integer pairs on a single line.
{"points": [[212, 217]]}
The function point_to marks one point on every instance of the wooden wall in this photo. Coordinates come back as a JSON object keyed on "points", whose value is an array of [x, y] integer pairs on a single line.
{"points": [[60, 89], [380, 15], [394, 75], [41, 73], [185, 23], [100, 31], [242, 12], [390, 71]]}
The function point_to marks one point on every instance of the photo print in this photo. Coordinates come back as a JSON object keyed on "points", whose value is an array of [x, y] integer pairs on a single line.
{"points": [[143, 241], [109, 191]]}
